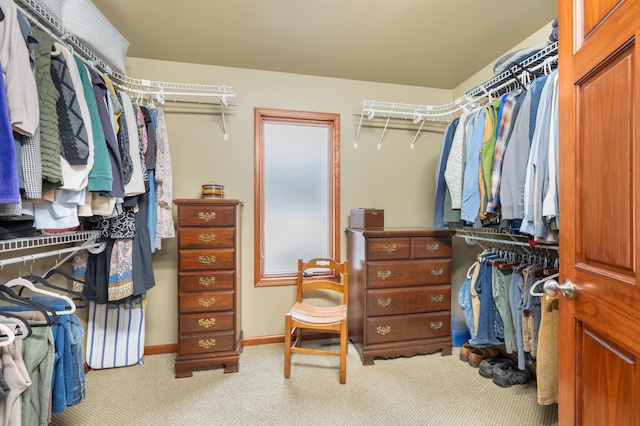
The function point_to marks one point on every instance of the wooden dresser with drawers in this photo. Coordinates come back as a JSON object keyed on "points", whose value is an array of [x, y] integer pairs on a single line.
{"points": [[209, 331], [399, 291]]}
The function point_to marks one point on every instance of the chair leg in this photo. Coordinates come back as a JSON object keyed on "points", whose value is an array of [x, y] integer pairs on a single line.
{"points": [[344, 344], [287, 346]]}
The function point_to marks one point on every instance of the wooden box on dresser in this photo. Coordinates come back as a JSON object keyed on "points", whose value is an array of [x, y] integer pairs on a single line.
{"points": [[209, 331], [399, 291]]}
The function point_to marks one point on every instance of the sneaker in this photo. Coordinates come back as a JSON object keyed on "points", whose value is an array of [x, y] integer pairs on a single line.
{"points": [[506, 375], [487, 365]]}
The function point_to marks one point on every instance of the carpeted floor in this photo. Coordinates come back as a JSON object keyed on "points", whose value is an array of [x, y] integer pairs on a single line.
{"points": [[421, 390]]}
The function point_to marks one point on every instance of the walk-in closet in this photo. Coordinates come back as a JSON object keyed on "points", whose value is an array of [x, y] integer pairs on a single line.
{"points": [[462, 174]]}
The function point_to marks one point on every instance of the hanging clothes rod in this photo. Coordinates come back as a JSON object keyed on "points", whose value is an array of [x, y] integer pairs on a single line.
{"points": [[469, 239], [94, 248], [136, 88], [88, 240], [496, 86]]}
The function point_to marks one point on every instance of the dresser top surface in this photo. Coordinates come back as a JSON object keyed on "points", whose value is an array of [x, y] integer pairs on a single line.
{"points": [[205, 201]]}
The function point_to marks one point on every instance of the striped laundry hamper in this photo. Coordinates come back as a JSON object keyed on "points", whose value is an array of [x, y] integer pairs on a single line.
{"points": [[115, 335]]}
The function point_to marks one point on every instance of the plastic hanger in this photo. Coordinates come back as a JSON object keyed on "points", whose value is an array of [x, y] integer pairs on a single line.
{"points": [[8, 295], [23, 325], [76, 295], [6, 331], [28, 284], [541, 281], [470, 270]]}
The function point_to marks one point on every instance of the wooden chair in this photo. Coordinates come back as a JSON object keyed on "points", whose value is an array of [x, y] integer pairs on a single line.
{"points": [[311, 317]]}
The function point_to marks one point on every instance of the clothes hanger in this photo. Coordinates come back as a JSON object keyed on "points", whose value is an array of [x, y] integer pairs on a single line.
{"points": [[20, 281], [23, 324], [75, 295], [35, 279], [31, 279], [470, 270], [6, 331], [8, 295], [541, 281]]}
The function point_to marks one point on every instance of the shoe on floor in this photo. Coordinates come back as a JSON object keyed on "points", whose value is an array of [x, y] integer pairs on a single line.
{"points": [[506, 375], [487, 365], [464, 352], [476, 355]]}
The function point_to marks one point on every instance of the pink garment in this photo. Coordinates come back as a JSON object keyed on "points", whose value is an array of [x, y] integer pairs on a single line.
{"points": [[164, 182], [17, 377]]}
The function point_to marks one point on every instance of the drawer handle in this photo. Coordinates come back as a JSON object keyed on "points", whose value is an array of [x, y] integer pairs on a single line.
{"points": [[437, 298], [206, 260], [432, 247], [207, 216], [206, 302], [383, 275], [206, 323], [383, 330], [207, 344], [207, 281], [206, 238], [389, 248], [436, 325], [384, 302], [437, 271]]}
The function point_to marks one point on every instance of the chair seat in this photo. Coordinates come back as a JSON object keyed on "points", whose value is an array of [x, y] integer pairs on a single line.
{"points": [[319, 315]]}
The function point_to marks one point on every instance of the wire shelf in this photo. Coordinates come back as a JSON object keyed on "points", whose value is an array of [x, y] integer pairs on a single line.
{"points": [[162, 91], [48, 240]]}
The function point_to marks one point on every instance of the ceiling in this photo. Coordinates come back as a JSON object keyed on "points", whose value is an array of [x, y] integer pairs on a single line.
{"points": [[429, 43]]}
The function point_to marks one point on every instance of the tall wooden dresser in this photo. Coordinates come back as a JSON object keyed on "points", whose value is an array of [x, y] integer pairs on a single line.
{"points": [[399, 291], [209, 331]]}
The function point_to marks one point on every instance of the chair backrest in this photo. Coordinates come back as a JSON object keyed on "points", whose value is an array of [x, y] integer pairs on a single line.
{"points": [[308, 283]]}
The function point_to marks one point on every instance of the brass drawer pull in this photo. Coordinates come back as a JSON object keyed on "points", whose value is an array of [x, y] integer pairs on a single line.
{"points": [[432, 247], [207, 343], [206, 302], [206, 323], [384, 302], [207, 216], [383, 330], [207, 281], [437, 298], [437, 272], [436, 325], [207, 238], [206, 260], [383, 275], [389, 248]]}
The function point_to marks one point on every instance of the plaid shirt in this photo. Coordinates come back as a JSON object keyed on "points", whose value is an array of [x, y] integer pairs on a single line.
{"points": [[509, 112]]}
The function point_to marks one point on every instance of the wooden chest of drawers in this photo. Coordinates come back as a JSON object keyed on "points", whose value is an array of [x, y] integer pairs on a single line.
{"points": [[209, 331], [399, 291]]}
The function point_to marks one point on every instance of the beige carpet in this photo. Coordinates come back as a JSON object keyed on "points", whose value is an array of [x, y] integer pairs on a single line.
{"points": [[422, 390]]}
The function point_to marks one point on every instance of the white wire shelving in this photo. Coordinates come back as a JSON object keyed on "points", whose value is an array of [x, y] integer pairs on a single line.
{"points": [[517, 74]]}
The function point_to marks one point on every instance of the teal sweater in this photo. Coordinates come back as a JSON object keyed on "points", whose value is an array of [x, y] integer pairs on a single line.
{"points": [[101, 176]]}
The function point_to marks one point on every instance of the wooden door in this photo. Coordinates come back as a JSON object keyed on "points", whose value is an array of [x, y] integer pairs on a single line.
{"points": [[599, 336]]}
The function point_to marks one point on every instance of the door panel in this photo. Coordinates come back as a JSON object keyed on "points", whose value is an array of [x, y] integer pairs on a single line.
{"points": [[605, 106], [595, 12], [607, 369], [599, 378]]}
